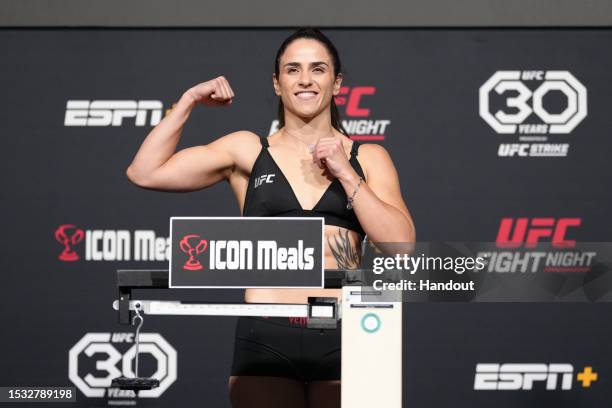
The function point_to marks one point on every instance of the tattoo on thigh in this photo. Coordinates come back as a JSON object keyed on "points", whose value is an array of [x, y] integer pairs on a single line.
{"points": [[348, 256]]}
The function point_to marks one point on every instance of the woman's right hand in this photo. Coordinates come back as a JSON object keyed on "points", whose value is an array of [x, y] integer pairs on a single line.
{"points": [[216, 92]]}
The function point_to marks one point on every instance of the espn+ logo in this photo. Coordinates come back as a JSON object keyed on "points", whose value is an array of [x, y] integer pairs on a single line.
{"points": [[514, 377]]}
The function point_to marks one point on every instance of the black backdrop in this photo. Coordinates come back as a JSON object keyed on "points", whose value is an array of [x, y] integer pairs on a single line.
{"points": [[425, 83]]}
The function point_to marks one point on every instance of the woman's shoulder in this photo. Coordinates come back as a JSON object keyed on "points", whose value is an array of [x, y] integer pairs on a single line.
{"points": [[241, 136], [242, 145], [372, 152], [373, 157], [239, 141]]}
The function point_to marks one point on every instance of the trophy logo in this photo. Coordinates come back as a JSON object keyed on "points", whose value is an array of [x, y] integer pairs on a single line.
{"points": [[192, 263], [66, 237]]}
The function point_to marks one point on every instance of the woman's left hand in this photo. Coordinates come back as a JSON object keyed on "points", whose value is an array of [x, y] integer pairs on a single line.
{"points": [[329, 153]]}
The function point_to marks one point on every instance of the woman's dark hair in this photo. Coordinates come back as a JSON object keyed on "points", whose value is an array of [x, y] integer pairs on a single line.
{"points": [[312, 34]]}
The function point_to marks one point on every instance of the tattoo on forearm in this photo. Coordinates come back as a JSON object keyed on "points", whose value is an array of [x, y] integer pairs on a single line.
{"points": [[347, 256]]}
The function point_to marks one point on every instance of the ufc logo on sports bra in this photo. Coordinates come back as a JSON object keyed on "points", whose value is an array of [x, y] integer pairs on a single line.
{"points": [[265, 178]]}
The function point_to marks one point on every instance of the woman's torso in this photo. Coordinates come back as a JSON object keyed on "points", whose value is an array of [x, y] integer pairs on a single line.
{"points": [[303, 189]]}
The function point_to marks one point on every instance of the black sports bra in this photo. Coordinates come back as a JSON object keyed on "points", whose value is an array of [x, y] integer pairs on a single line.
{"points": [[269, 194]]}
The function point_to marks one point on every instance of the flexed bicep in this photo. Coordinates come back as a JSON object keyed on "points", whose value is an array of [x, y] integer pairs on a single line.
{"points": [[197, 167]]}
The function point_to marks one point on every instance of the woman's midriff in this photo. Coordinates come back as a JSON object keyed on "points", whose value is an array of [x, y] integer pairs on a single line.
{"points": [[342, 251]]}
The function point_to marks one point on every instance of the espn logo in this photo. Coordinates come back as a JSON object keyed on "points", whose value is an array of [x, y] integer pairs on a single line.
{"points": [[111, 113]]}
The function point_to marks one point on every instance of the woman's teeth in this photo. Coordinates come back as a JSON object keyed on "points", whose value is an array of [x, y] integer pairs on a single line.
{"points": [[306, 95]]}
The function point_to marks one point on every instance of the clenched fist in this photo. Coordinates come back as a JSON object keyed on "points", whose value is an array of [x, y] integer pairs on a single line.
{"points": [[216, 92]]}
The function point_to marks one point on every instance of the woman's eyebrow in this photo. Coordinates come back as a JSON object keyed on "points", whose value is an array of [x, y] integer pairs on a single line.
{"points": [[297, 64]]}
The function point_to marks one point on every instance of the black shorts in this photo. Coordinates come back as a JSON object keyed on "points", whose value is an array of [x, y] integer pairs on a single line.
{"points": [[285, 347]]}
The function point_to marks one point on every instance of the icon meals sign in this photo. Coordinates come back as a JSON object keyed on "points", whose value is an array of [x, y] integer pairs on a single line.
{"points": [[246, 252]]}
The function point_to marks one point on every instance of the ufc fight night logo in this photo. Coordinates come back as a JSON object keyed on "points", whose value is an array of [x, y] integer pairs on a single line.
{"points": [[112, 113], [547, 243], [533, 105], [513, 233], [99, 357]]}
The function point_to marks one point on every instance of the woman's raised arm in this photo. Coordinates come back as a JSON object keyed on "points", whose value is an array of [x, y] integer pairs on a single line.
{"points": [[157, 166]]}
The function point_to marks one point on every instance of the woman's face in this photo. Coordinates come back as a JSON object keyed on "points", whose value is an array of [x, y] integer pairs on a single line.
{"points": [[306, 80]]}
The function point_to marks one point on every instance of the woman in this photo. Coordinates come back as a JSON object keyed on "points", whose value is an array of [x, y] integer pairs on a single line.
{"points": [[315, 171]]}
